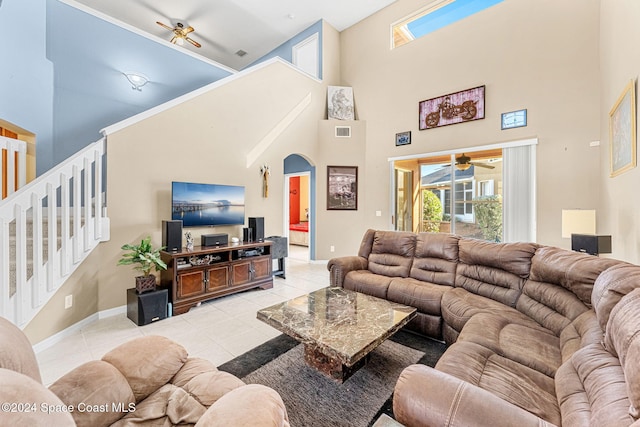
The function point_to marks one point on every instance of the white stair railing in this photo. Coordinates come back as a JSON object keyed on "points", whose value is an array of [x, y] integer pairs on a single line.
{"points": [[13, 174], [47, 229]]}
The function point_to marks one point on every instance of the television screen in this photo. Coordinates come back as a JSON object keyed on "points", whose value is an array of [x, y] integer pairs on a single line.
{"points": [[207, 204]]}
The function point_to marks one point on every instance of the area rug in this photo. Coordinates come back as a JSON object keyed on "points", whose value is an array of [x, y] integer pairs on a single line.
{"points": [[315, 400]]}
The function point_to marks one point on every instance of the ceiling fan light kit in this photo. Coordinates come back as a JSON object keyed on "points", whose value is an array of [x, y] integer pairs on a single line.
{"points": [[137, 80], [180, 33]]}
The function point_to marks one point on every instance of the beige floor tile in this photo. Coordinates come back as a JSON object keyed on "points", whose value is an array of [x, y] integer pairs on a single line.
{"points": [[218, 330]]}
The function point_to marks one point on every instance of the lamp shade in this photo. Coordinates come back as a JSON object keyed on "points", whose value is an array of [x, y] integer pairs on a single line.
{"points": [[578, 221]]}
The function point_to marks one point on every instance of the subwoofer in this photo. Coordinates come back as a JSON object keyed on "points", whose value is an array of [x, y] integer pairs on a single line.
{"points": [[172, 235], [256, 224], [146, 308]]}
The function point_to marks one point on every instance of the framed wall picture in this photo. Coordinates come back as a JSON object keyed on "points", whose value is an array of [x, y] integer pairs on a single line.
{"points": [[622, 132], [342, 188], [458, 107], [403, 138], [340, 103], [513, 119]]}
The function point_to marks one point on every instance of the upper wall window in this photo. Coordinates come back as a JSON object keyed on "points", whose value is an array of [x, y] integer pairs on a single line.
{"points": [[436, 15]]}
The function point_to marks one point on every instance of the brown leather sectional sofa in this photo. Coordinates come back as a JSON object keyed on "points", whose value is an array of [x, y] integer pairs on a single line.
{"points": [[146, 381], [537, 335]]}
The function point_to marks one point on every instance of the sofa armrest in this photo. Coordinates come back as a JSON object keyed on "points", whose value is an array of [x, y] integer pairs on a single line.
{"points": [[250, 405], [339, 267], [424, 396]]}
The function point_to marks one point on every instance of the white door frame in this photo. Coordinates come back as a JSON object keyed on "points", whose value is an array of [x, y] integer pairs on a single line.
{"points": [[285, 217]]}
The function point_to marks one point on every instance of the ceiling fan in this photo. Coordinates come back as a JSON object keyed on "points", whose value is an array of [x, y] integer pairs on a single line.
{"points": [[180, 33], [464, 162]]}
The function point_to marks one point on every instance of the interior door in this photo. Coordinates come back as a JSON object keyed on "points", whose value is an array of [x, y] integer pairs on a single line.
{"points": [[404, 205]]}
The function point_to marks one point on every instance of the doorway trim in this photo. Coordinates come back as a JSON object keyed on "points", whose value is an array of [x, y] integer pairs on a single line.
{"points": [[285, 216]]}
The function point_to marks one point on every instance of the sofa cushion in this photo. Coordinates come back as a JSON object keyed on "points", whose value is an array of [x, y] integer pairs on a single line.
{"points": [[94, 384], [528, 344], [459, 305], [147, 363], [622, 339], [583, 331], [367, 243], [611, 286], [267, 409], [392, 253], [494, 270], [573, 271], [424, 296], [21, 389], [367, 282], [553, 306], [591, 390], [507, 379], [167, 406], [436, 258], [16, 352]]}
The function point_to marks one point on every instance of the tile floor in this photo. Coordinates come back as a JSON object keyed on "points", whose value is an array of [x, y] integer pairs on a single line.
{"points": [[218, 330]]}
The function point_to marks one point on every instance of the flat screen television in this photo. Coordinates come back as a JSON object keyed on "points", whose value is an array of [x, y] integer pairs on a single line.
{"points": [[201, 205]]}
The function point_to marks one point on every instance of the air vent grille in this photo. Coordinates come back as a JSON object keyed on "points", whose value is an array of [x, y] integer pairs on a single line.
{"points": [[343, 131]]}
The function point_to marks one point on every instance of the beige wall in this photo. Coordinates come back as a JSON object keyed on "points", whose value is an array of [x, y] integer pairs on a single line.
{"points": [[619, 209], [540, 55], [204, 140], [83, 285]]}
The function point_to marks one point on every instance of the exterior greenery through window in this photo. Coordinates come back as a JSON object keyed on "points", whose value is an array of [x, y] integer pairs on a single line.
{"points": [[464, 199]]}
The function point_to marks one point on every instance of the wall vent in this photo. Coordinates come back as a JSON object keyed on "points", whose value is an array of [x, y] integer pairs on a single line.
{"points": [[343, 131]]}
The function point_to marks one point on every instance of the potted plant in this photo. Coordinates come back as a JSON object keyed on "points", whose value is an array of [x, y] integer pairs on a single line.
{"points": [[144, 258]]}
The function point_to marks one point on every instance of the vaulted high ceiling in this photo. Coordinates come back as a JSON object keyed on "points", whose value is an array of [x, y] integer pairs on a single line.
{"points": [[224, 27]]}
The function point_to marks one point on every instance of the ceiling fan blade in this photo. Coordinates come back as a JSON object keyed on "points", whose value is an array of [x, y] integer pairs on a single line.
{"points": [[193, 42], [483, 165], [164, 26], [187, 30]]}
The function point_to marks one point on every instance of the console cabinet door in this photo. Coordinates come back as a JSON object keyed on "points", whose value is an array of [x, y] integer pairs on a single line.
{"points": [[261, 268], [241, 273], [217, 278], [190, 284]]}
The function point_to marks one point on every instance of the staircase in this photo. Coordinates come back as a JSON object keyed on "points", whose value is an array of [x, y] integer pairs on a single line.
{"points": [[47, 228]]}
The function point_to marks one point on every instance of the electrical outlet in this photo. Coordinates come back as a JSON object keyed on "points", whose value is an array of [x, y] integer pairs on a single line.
{"points": [[332, 248], [68, 301]]}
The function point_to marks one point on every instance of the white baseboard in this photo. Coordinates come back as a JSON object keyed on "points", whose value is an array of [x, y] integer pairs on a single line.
{"points": [[56, 338]]}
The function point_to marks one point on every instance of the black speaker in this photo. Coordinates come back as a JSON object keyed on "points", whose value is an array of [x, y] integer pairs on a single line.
{"points": [[214, 239], [247, 234], [146, 308], [591, 243], [172, 235], [256, 224]]}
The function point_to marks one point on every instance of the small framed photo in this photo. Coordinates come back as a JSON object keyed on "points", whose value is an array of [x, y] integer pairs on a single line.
{"points": [[342, 188], [622, 132], [513, 119], [403, 138]]}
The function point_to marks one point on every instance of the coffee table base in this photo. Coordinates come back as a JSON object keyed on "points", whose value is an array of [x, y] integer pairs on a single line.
{"points": [[329, 366]]}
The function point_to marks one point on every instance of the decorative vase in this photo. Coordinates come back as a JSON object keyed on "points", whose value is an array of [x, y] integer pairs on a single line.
{"points": [[145, 283]]}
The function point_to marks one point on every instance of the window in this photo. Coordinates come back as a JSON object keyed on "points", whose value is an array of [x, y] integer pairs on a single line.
{"points": [[491, 196], [436, 15]]}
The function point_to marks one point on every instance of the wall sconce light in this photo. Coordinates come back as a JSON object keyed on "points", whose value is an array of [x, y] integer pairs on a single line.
{"points": [[137, 80]]}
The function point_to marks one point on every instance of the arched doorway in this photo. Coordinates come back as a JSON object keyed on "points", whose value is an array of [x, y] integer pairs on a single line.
{"points": [[299, 206]]}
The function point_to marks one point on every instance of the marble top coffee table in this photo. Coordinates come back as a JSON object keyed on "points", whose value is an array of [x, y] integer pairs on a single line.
{"points": [[338, 327]]}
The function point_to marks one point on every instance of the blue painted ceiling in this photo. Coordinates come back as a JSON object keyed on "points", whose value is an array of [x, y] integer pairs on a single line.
{"points": [[89, 56]]}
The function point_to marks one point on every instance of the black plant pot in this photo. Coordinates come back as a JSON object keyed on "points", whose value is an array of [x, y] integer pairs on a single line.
{"points": [[145, 284]]}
